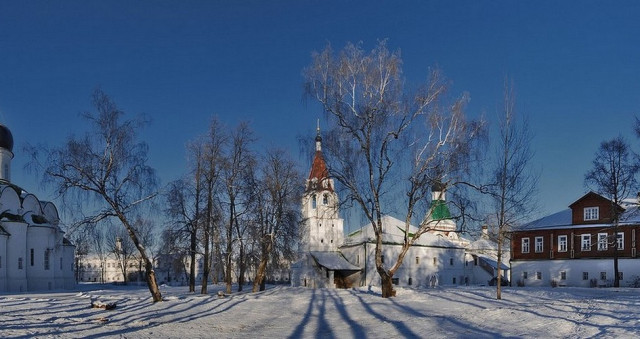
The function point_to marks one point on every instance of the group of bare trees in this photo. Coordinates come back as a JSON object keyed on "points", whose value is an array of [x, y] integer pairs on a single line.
{"points": [[237, 209]]}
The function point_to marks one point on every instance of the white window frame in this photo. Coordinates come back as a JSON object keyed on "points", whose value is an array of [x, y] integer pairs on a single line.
{"points": [[591, 213], [563, 275], [525, 245], [539, 244], [620, 240], [562, 243], [603, 239], [585, 242]]}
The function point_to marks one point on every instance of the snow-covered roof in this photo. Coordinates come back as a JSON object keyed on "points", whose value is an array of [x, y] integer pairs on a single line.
{"points": [[393, 233], [562, 219], [333, 261], [492, 262], [484, 244]]}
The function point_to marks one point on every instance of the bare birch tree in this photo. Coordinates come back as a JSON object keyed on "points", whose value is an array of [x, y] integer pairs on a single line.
{"points": [[214, 144], [238, 161], [276, 205], [387, 147], [184, 204], [613, 175], [109, 165], [513, 183]]}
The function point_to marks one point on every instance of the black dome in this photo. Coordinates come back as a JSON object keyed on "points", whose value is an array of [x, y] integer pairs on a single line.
{"points": [[6, 139]]}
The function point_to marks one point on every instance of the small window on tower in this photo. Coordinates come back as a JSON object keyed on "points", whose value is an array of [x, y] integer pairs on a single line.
{"points": [[314, 201], [325, 199]]}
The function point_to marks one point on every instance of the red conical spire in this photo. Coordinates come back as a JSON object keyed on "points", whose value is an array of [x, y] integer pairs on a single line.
{"points": [[319, 175]]}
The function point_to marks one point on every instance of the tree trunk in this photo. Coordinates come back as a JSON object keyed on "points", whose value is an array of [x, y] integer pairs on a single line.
{"points": [[228, 269], [260, 273], [151, 280], [241, 267], [499, 264], [259, 280], [616, 274], [148, 265], [192, 265], [387, 285], [385, 277]]}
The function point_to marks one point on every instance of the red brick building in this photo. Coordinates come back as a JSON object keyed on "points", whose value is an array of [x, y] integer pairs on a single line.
{"points": [[576, 246]]}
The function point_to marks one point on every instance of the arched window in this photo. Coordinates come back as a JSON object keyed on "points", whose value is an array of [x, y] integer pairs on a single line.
{"points": [[325, 199], [314, 201]]}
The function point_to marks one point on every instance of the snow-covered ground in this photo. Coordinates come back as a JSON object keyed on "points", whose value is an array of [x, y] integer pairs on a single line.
{"points": [[281, 312]]}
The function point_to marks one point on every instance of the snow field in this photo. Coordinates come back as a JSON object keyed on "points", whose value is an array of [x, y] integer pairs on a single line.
{"points": [[288, 312]]}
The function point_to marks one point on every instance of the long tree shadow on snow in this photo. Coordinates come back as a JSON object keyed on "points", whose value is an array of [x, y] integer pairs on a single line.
{"points": [[323, 328]]}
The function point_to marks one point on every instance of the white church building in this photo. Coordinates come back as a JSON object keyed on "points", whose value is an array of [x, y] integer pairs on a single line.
{"points": [[34, 254], [438, 257]]}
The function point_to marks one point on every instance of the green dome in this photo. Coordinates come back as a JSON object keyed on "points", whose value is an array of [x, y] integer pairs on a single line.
{"points": [[440, 211]]}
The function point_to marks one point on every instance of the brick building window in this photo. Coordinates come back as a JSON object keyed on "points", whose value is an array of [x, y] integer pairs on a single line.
{"points": [[525, 245], [562, 243], [539, 244], [620, 240], [591, 213], [602, 242], [586, 242]]}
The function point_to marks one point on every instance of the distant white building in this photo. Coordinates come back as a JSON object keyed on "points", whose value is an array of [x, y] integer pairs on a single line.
{"points": [[328, 259], [34, 255]]}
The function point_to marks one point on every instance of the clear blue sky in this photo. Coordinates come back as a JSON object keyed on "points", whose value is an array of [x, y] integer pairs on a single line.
{"points": [[575, 65]]}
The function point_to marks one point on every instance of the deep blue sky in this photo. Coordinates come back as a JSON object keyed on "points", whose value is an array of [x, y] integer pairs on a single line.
{"points": [[575, 65]]}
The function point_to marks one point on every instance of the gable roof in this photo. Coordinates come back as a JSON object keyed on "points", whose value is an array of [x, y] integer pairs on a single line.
{"points": [[393, 233], [589, 196], [562, 219], [333, 261]]}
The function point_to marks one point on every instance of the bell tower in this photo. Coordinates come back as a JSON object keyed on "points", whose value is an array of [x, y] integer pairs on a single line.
{"points": [[323, 229]]}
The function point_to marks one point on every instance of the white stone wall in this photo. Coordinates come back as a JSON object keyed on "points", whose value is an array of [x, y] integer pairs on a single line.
{"points": [[3, 262], [574, 272], [16, 255], [449, 267]]}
